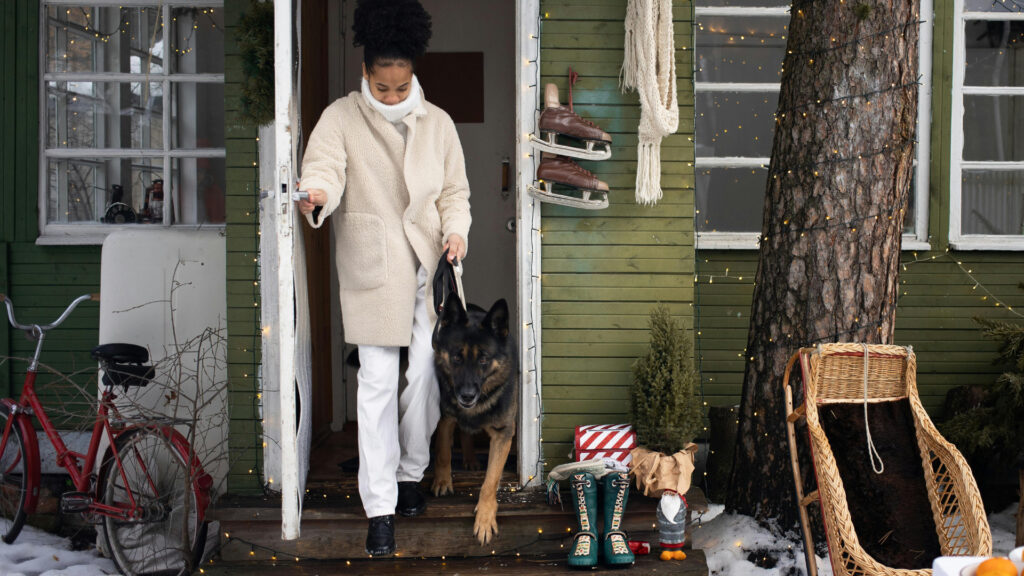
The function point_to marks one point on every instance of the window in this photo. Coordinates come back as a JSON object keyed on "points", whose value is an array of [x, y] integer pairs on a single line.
{"points": [[740, 47], [132, 98], [987, 156]]}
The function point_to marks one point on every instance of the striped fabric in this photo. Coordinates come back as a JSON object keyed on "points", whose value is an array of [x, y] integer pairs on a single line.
{"points": [[605, 441]]}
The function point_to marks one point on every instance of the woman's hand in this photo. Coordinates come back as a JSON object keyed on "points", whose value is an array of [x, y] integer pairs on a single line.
{"points": [[456, 247], [316, 198]]}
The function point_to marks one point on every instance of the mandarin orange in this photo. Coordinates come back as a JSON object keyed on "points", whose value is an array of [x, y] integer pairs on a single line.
{"points": [[996, 567]]}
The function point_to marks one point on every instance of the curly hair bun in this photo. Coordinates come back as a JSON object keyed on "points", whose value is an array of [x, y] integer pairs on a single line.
{"points": [[391, 28]]}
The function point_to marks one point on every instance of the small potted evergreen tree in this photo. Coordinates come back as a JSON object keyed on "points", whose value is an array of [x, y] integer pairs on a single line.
{"points": [[989, 432], [666, 416]]}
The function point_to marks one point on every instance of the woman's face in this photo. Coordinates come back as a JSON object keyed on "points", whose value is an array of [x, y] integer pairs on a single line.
{"points": [[390, 83]]}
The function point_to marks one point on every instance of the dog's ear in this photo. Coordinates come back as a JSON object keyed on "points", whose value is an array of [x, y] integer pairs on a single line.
{"points": [[497, 319], [453, 314]]}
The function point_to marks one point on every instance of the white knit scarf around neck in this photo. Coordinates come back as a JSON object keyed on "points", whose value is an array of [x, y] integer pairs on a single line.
{"points": [[649, 68], [395, 112]]}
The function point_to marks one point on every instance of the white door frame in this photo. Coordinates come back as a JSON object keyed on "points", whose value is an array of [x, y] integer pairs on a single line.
{"points": [[528, 246], [281, 206], [528, 249]]}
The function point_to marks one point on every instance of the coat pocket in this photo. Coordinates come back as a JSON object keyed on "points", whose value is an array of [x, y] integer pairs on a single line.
{"points": [[361, 253]]}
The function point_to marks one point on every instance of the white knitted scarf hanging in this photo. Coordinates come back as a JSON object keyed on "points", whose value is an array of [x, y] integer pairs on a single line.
{"points": [[650, 68]]}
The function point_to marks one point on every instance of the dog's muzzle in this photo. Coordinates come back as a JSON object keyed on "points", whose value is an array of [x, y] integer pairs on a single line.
{"points": [[468, 400]]}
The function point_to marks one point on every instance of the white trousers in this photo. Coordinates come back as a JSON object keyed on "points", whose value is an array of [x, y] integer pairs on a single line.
{"points": [[394, 432]]}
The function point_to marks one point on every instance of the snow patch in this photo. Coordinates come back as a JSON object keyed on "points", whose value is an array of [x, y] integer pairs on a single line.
{"points": [[39, 553]]}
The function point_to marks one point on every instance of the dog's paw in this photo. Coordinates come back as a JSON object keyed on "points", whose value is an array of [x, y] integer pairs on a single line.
{"points": [[442, 485], [472, 463], [486, 526]]}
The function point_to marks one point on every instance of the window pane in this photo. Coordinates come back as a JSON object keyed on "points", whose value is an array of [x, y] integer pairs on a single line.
{"points": [[94, 191], [735, 123], [995, 53], [198, 189], [910, 215], [989, 123], [740, 49], [104, 115], [198, 40], [992, 202], [108, 39], [730, 199], [748, 3], [993, 6], [199, 115]]}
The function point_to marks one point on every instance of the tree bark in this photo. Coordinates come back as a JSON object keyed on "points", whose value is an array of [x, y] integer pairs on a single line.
{"points": [[837, 191]]}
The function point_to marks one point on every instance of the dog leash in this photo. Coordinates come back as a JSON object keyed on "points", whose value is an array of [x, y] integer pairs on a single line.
{"points": [[447, 279]]}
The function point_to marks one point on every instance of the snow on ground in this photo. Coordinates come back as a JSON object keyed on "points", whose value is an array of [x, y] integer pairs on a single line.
{"points": [[731, 543], [39, 553]]}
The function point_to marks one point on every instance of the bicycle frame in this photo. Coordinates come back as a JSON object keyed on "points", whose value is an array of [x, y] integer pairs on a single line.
{"points": [[78, 465]]}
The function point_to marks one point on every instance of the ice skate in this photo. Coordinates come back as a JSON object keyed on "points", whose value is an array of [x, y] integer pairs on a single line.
{"points": [[577, 187], [557, 120]]}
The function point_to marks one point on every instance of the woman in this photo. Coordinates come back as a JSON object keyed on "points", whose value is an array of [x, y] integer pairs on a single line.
{"points": [[387, 166]]}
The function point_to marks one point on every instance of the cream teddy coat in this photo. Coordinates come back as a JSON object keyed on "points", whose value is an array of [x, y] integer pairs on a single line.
{"points": [[393, 203]]}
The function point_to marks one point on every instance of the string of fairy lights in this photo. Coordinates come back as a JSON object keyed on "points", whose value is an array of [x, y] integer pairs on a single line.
{"points": [[85, 24], [530, 323], [707, 274]]}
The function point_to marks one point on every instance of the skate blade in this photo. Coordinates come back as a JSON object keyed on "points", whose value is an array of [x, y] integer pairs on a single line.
{"points": [[594, 150], [591, 200]]}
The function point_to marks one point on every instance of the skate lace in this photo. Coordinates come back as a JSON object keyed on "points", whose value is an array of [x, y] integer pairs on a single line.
{"points": [[585, 121], [583, 170]]}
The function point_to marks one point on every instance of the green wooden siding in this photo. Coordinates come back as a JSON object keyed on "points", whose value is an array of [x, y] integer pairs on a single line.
{"points": [[938, 300], [245, 440], [41, 280], [602, 271], [937, 305]]}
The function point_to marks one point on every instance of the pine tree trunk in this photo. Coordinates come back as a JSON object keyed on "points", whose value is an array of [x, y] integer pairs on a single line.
{"points": [[833, 216]]}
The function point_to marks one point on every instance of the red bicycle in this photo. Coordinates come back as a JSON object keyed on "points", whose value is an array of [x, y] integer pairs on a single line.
{"points": [[149, 492]]}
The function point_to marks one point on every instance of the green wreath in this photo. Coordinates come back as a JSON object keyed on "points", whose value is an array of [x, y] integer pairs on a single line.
{"points": [[256, 44]]}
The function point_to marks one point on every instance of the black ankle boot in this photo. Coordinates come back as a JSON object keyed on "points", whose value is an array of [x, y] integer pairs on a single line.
{"points": [[410, 500], [380, 538]]}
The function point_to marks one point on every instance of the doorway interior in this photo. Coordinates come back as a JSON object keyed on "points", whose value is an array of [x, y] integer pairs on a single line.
{"points": [[469, 71]]}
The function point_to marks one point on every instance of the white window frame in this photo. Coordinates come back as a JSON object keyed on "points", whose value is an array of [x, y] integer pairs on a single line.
{"points": [[67, 234], [957, 239], [749, 240]]}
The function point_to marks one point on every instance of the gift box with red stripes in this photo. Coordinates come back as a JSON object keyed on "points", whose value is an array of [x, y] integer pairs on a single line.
{"points": [[604, 441]]}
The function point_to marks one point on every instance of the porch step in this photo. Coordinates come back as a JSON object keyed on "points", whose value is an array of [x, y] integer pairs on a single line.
{"points": [[334, 525], [535, 565]]}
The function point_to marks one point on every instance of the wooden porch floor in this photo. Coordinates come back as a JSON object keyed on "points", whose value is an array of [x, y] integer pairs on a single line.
{"points": [[334, 526], [541, 565]]}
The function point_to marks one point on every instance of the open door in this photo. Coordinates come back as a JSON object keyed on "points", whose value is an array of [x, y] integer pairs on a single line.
{"points": [[285, 313]]}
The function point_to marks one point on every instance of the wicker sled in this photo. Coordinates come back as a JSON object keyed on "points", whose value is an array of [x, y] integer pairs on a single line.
{"points": [[834, 374]]}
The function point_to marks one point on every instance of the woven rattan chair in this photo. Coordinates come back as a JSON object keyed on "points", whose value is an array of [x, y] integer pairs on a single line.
{"points": [[833, 374]]}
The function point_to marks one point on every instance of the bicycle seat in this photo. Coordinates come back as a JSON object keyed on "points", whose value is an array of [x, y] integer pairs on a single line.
{"points": [[120, 353], [127, 375]]}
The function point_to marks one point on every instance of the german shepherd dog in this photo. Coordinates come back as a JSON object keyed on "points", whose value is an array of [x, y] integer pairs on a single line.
{"points": [[477, 369]]}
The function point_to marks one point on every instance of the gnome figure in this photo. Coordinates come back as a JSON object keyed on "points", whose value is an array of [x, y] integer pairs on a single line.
{"points": [[671, 515]]}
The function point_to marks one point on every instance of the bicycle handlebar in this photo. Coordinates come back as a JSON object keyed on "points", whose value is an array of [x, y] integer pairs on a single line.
{"points": [[31, 328]]}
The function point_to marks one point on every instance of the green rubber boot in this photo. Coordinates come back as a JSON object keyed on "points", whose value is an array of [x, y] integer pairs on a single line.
{"points": [[583, 552], [614, 545]]}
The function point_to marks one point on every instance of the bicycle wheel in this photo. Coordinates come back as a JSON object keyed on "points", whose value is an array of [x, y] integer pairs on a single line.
{"points": [[166, 536], [13, 483]]}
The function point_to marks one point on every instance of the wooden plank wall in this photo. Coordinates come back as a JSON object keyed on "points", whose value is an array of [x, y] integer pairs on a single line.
{"points": [[245, 439], [935, 315], [602, 271], [41, 280], [938, 300]]}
